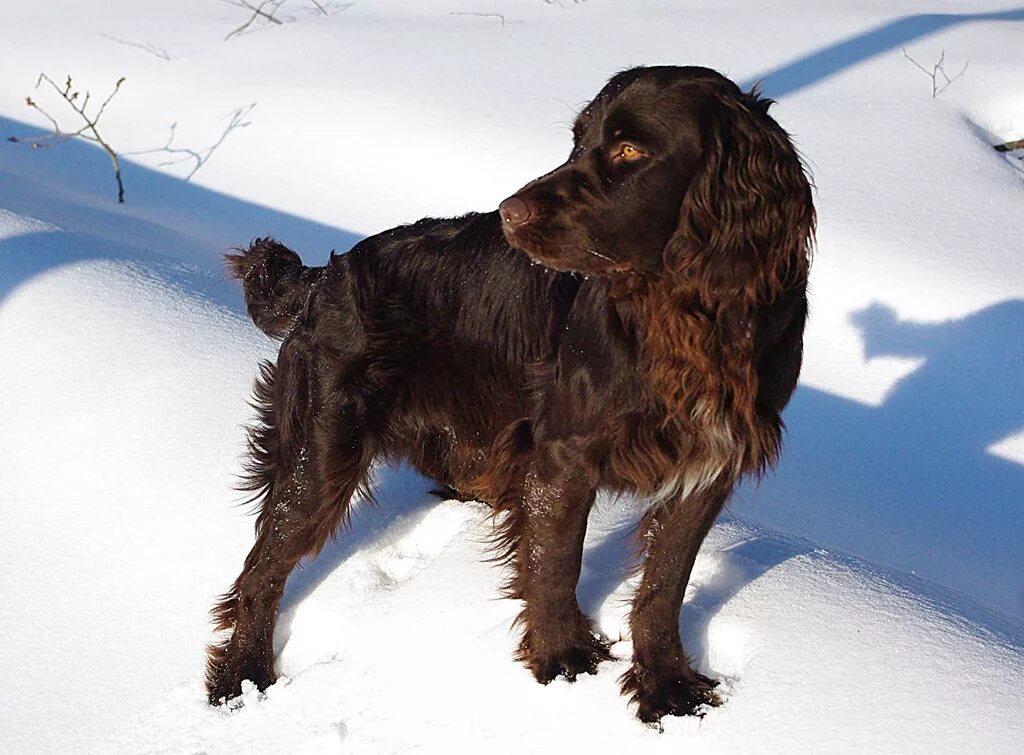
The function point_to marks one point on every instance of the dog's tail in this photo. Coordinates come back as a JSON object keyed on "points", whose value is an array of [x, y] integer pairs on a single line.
{"points": [[276, 284]]}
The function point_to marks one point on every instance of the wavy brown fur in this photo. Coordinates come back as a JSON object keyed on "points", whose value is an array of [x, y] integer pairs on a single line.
{"points": [[276, 284], [651, 352]]}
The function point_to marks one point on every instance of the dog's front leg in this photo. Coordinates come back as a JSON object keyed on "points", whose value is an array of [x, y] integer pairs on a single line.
{"points": [[661, 680], [549, 523]]}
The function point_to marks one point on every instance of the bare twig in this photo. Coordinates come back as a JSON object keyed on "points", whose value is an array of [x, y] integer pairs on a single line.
{"points": [[198, 157], [265, 12], [937, 70], [259, 12], [1010, 146], [151, 49], [331, 8], [89, 131], [482, 15]]}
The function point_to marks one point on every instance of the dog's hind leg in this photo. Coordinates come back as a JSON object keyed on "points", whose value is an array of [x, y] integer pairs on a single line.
{"points": [[307, 471]]}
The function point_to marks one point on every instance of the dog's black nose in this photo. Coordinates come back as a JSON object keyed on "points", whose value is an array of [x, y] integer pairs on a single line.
{"points": [[515, 211]]}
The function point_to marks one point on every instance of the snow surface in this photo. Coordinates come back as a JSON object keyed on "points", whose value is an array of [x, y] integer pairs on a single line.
{"points": [[868, 596]]}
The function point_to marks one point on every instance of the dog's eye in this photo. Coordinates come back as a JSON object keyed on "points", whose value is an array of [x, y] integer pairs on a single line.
{"points": [[629, 153]]}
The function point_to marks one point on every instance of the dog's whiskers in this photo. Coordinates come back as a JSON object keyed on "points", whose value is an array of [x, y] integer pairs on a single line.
{"points": [[590, 248]]}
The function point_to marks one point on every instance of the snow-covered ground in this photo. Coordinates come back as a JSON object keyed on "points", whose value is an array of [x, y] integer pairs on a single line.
{"points": [[868, 596]]}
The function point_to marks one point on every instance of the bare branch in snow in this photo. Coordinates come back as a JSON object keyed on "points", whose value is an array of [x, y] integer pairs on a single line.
{"points": [[200, 157], [331, 8], [498, 16], [88, 131], [1010, 146], [263, 11], [939, 69], [266, 12], [151, 49]]}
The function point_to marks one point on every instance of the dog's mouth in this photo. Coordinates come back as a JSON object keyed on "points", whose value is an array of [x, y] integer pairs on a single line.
{"points": [[526, 240], [566, 259], [544, 247]]}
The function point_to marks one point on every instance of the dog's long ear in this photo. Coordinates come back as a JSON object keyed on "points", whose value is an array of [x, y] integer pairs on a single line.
{"points": [[747, 221]]}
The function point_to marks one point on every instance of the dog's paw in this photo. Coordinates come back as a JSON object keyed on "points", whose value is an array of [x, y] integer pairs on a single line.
{"points": [[224, 675], [582, 657], [675, 694]]}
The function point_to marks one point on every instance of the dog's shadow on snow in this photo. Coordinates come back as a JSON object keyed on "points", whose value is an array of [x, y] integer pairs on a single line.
{"points": [[609, 563], [912, 484], [400, 494]]}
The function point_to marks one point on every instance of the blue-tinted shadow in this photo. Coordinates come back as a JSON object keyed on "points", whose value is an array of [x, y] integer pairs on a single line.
{"points": [[174, 228], [816, 66], [910, 484]]}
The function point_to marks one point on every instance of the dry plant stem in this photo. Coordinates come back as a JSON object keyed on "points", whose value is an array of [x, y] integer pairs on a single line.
{"points": [[151, 49], [333, 9], [89, 131], [937, 69], [1010, 146], [201, 156], [266, 11], [258, 12], [498, 16]]}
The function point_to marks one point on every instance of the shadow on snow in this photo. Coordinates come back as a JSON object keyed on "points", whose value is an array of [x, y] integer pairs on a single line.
{"points": [[836, 57], [186, 227]]}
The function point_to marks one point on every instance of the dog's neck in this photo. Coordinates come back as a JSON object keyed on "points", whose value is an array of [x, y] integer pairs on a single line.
{"points": [[698, 359]]}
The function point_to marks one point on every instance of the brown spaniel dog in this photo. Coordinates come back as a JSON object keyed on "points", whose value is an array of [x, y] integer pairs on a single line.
{"points": [[632, 321]]}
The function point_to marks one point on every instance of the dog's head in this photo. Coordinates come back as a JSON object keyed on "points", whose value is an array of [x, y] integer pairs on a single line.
{"points": [[674, 171]]}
